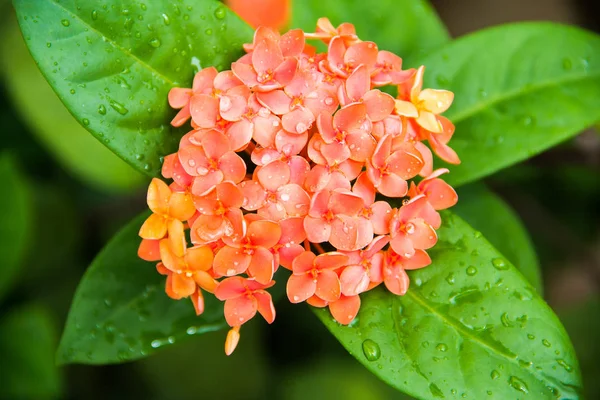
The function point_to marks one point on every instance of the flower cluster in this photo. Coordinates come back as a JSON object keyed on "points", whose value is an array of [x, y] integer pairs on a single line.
{"points": [[295, 159]]}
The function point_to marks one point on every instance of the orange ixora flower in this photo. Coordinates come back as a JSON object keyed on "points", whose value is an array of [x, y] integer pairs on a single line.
{"points": [[298, 159]]}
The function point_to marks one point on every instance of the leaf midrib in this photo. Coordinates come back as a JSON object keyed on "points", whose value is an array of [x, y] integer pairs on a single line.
{"points": [[465, 333], [517, 92], [117, 45]]}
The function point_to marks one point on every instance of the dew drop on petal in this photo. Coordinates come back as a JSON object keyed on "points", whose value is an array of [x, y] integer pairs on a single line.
{"points": [[301, 127]]}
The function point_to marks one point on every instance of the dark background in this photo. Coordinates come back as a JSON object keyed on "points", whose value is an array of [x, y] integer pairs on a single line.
{"points": [[556, 194]]}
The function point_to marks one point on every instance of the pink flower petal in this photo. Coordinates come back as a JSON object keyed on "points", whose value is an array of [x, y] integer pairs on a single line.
{"points": [[276, 101], [396, 280], [359, 83], [239, 134], [203, 80], [345, 309], [265, 305], [361, 53], [262, 265], [379, 105], [264, 233], [266, 56], [286, 71], [230, 261], [352, 118], [245, 73], [292, 43], [240, 310], [350, 233], [254, 195], [231, 108], [179, 97], [204, 110], [230, 288], [354, 280], [392, 186], [300, 288], [297, 121], [382, 214], [361, 145], [233, 167], [328, 285], [365, 189], [317, 230], [295, 200], [274, 175], [206, 183]]}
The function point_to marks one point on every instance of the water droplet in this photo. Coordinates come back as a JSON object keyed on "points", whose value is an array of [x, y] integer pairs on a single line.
{"points": [[72, 91], [94, 15], [101, 109], [546, 343], [567, 64], [166, 19], [285, 197], [371, 350], [471, 270], [441, 347], [154, 43], [48, 44], [208, 31], [118, 107], [329, 101], [530, 336], [220, 13], [301, 127], [505, 321], [495, 374], [500, 264], [450, 278], [518, 384], [477, 234], [85, 121], [436, 391], [65, 22]]}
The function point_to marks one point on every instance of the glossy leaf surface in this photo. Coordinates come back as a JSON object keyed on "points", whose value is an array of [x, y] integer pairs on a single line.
{"points": [[487, 212], [519, 90], [470, 326], [120, 311], [70, 144], [113, 63]]}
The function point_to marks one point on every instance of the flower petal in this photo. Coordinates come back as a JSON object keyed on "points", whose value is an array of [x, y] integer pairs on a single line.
{"points": [[265, 305], [328, 285], [230, 261], [204, 110], [274, 175], [300, 288], [345, 309], [240, 310], [264, 233], [233, 167], [354, 280], [317, 229], [262, 266], [230, 288]]}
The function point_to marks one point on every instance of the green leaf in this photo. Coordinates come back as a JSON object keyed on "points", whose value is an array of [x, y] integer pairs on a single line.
{"points": [[120, 311], [519, 89], [16, 220], [72, 146], [405, 27], [113, 64], [27, 343], [470, 325], [488, 213]]}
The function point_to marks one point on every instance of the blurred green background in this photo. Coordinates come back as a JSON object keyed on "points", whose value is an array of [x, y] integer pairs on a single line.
{"points": [[74, 194]]}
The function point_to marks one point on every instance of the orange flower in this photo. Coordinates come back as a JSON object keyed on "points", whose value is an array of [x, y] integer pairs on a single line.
{"points": [[272, 13], [424, 105], [169, 211], [315, 275]]}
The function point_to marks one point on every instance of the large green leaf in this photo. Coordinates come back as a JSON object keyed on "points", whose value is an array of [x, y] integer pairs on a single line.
{"points": [[72, 146], [112, 64], [15, 220], [488, 213], [470, 326], [519, 89], [406, 27], [120, 311], [27, 343]]}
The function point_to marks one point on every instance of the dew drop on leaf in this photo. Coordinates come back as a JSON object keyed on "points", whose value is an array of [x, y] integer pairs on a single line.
{"points": [[546, 343], [65, 22], [101, 109], [471, 271], [436, 391], [94, 15], [500, 264], [518, 384], [154, 43], [220, 13], [495, 374], [371, 350]]}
